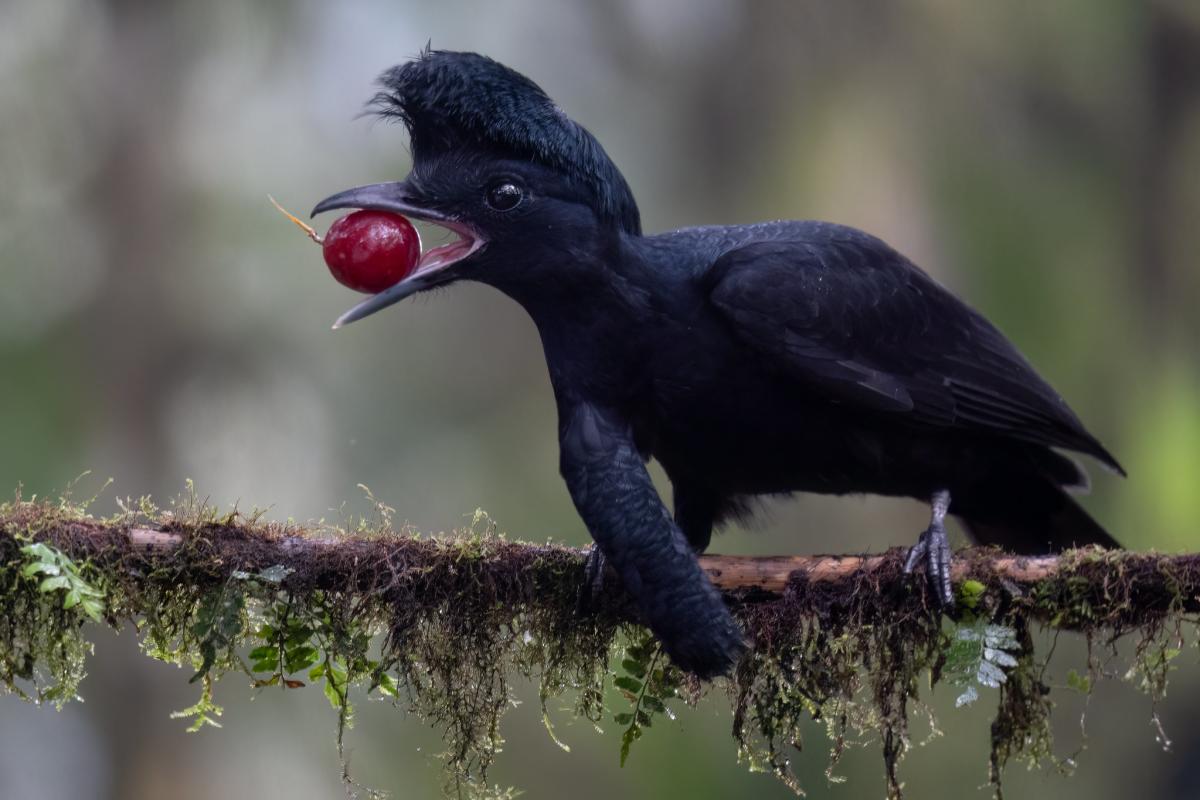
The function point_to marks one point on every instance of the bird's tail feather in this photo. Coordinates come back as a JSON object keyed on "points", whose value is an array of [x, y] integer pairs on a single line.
{"points": [[1060, 524]]}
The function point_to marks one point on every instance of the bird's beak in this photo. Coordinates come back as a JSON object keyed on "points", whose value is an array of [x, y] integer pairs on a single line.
{"points": [[400, 197]]}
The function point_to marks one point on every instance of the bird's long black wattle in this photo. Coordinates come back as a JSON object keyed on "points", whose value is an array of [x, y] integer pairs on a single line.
{"points": [[612, 490]]}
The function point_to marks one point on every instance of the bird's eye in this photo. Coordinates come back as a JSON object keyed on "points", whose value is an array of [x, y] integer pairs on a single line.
{"points": [[504, 196]]}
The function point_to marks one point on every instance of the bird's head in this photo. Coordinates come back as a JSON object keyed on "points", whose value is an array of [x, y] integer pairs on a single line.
{"points": [[496, 162]]}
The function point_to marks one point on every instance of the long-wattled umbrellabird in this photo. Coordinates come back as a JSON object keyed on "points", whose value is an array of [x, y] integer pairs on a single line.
{"points": [[748, 359]]}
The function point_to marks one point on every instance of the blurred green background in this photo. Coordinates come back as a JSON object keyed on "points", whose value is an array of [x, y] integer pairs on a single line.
{"points": [[159, 321]]}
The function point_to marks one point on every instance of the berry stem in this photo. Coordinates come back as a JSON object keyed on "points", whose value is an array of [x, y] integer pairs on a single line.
{"points": [[308, 229]]}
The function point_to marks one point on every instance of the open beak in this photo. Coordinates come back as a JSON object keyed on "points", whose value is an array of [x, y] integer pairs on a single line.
{"points": [[400, 198]]}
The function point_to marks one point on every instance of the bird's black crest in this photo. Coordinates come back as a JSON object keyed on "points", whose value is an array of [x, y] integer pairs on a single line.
{"points": [[450, 100]]}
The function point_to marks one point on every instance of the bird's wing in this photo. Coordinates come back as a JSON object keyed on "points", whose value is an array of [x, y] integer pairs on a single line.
{"points": [[857, 322]]}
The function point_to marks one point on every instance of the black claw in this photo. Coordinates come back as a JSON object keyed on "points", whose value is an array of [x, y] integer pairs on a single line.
{"points": [[594, 570]]}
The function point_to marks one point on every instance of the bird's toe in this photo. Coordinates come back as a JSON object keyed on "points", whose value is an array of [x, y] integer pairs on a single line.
{"points": [[595, 569], [933, 548], [916, 553]]}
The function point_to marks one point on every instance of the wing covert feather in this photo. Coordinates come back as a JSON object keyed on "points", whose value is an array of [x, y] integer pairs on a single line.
{"points": [[856, 321]]}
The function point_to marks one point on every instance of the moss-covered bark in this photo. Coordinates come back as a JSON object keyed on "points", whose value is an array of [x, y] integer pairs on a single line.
{"points": [[443, 625]]}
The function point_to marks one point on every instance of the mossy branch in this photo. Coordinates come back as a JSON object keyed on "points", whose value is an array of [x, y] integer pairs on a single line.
{"points": [[442, 624], [1159, 583]]}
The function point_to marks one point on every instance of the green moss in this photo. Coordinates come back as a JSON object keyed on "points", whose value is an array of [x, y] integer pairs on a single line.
{"points": [[442, 627]]}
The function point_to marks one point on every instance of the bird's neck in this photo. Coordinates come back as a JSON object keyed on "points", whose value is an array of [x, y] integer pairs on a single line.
{"points": [[568, 282], [591, 307]]}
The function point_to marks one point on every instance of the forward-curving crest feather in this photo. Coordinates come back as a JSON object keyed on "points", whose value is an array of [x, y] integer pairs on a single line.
{"points": [[451, 100]]}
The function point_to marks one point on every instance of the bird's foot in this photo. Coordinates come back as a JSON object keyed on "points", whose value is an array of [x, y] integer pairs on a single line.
{"points": [[933, 547], [594, 570]]}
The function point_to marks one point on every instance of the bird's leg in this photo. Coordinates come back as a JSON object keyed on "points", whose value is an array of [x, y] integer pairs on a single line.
{"points": [[934, 547]]}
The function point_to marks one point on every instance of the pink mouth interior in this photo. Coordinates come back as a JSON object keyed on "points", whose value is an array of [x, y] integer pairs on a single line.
{"points": [[444, 255]]}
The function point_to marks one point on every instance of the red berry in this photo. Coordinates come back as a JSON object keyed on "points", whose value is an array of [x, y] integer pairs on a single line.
{"points": [[370, 251]]}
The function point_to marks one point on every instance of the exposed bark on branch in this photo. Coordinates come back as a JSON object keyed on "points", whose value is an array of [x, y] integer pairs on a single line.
{"points": [[772, 574]]}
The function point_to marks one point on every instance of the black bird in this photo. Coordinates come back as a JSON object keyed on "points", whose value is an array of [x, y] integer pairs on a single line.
{"points": [[748, 359]]}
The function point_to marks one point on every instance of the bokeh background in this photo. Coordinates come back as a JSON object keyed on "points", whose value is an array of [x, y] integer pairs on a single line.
{"points": [[159, 321]]}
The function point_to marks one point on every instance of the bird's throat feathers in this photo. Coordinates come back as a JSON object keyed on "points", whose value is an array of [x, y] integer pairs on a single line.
{"points": [[450, 100]]}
